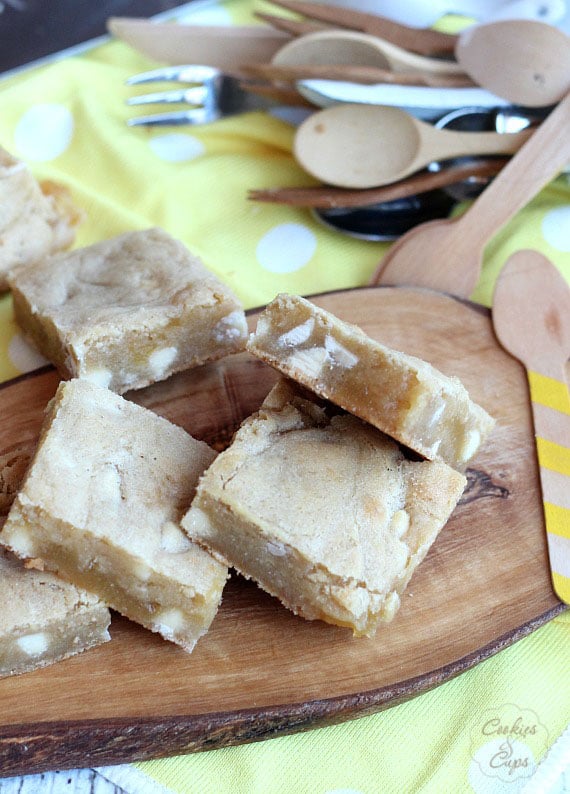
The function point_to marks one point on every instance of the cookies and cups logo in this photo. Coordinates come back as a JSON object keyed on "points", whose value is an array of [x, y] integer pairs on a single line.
{"points": [[506, 744]]}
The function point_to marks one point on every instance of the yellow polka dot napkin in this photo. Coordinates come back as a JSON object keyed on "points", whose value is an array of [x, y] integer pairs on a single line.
{"points": [[485, 731]]}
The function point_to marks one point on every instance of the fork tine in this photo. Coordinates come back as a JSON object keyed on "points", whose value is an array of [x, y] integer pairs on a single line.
{"points": [[189, 73], [196, 95], [176, 118]]}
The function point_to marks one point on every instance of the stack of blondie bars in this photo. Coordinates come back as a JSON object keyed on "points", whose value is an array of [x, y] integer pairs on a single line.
{"points": [[329, 496]]}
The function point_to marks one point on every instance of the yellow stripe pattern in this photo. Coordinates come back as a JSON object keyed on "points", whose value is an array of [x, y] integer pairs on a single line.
{"points": [[561, 586], [549, 392], [557, 519], [553, 456]]}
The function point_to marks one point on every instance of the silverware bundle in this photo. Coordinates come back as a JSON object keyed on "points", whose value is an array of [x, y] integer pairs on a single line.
{"points": [[333, 55]]}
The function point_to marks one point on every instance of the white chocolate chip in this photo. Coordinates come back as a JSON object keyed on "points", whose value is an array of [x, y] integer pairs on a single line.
{"points": [[470, 445], [263, 326], [298, 334], [20, 540], [172, 539], [437, 414], [160, 360], [391, 606], [169, 622], [311, 362], [109, 485], [34, 644], [276, 548], [232, 326], [400, 523], [339, 353], [100, 377], [141, 570]]}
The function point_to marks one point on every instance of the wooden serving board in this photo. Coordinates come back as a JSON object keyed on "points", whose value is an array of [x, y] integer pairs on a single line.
{"points": [[261, 671]]}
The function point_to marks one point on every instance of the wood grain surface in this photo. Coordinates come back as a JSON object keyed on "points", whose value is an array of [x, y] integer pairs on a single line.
{"points": [[261, 671]]}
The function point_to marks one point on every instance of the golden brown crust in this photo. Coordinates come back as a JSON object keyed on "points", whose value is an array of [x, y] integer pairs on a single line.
{"points": [[322, 511], [128, 311], [405, 397]]}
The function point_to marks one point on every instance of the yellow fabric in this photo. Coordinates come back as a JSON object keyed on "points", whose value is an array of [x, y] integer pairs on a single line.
{"points": [[443, 740]]}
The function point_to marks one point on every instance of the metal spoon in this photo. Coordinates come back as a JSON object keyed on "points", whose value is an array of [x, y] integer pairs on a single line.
{"points": [[387, 220], [364, 146], [524, 61]]}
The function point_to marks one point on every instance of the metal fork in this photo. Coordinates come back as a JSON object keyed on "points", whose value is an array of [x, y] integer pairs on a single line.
{"points": [[212, 95]]}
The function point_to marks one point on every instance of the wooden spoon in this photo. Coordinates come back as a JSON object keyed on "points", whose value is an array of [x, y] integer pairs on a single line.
{"points": [[324, 197], [446, 255], [349, 73], [363, 146], [531, 317], [351, 48], [222, 46], [521, 60], [424, 41]]}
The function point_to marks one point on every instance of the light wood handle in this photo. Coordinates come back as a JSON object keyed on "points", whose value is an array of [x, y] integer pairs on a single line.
{"points": [[550, 403], [222, 46], [368, 75], [424, 41], [536, 163], [443, 144]]}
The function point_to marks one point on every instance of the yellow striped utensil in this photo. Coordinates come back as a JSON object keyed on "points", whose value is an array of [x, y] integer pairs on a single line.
{"points": [[531, 317]]}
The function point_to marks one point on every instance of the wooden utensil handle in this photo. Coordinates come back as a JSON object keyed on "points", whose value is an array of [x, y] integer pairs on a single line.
{"points": [[295, 27], [536, 163], [326, 197], [222, 46], [444, 144], [424, 41], [368, 75], [551, 414]]}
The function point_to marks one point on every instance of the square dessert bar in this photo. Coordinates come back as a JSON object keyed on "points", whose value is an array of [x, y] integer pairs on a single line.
{"points": [[128, 311], [405, 397], [44, 619], [35, 220], [101, 504], [323, 511]]}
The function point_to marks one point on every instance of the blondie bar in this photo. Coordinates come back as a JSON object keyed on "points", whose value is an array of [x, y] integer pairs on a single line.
{"points": [[128, 311], [35, 220], [47, 619], [323, 511], [101, 503], [405, 397]]}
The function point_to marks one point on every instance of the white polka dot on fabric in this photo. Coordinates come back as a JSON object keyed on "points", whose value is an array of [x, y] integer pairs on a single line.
{"points": [[44, 132], [556, 228], [214, 15], [286, 248], [176, 147], [23, 356]]}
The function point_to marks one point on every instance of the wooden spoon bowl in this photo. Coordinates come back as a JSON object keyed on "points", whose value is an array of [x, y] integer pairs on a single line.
{"points": [[364, 146], [447, 255], [347, 47], [524, 61]]}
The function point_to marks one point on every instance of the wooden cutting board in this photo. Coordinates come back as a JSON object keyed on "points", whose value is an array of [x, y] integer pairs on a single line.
{"points": [[261, 671]]}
